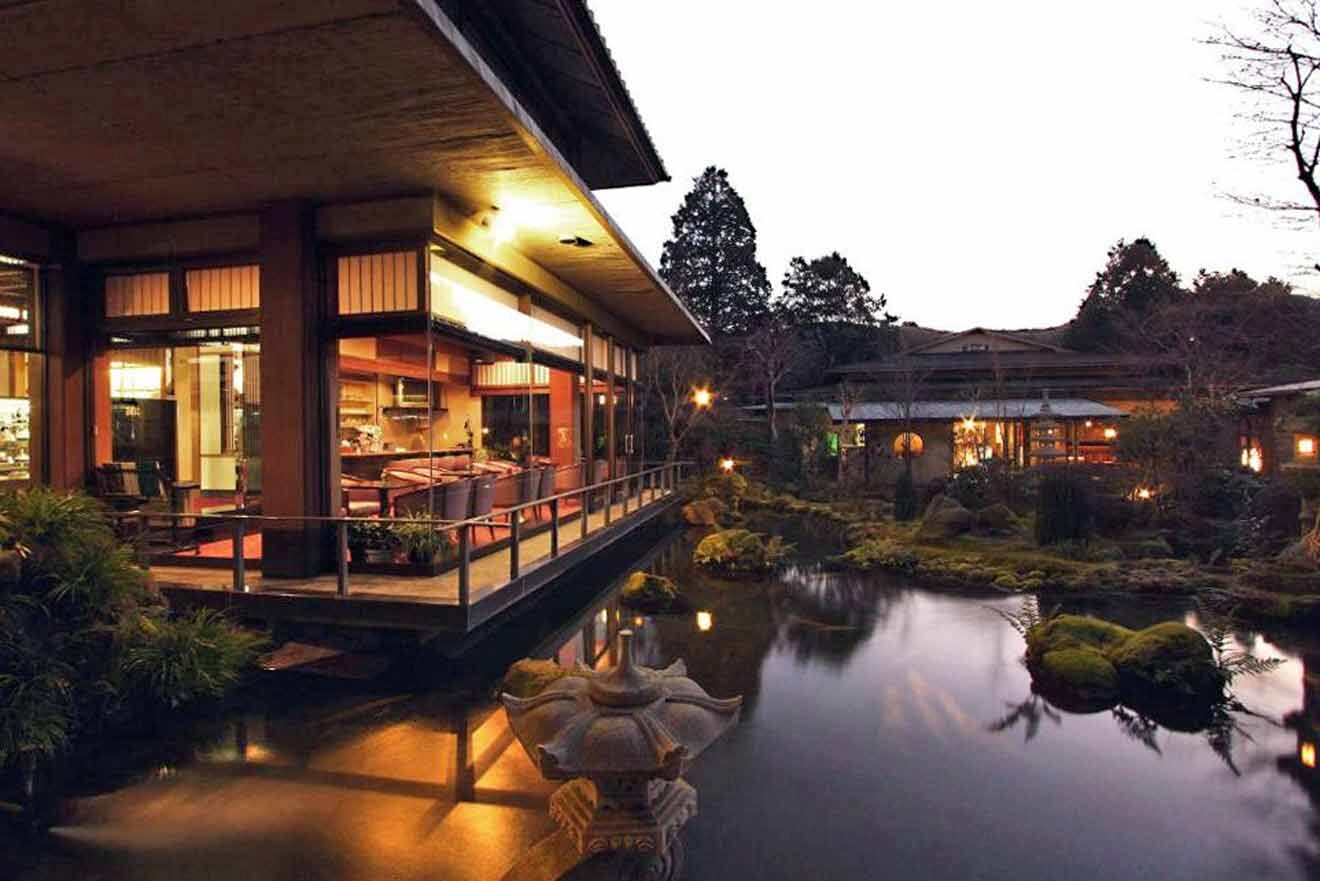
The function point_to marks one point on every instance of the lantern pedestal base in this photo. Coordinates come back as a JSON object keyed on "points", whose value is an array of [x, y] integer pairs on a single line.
{"points": [[640, 817]]}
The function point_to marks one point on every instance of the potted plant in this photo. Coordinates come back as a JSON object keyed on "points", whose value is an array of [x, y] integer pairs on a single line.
{"points": [[420, 540], [371, 541]]}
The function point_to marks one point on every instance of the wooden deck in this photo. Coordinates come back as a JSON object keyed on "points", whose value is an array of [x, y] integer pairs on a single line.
{"points": [[419, 602]]}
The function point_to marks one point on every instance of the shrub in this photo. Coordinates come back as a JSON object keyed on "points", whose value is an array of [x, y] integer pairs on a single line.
{"points": [[83, 644], [175, 661], [1279, 508], [971, 487], [648, 592], [1223, 493], [1113, 514], [1063, 509], [728, 487], [905, 497], [531, 676]]}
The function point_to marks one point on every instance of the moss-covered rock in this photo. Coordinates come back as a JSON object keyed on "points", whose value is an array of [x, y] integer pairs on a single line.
{"points": [[1080, 661], [1169, 660], [648, 592], [946, 521], [531, 676], [1078, 679], [704, 512], [739, 551], [879, 553], [1073, 632], [996, 518]]}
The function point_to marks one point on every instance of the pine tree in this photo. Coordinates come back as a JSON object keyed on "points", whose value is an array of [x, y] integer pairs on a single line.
{"points": [[833, 305], [710, 261], [1136, 280]]}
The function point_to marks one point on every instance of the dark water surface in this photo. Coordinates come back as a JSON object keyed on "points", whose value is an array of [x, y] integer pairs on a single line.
{"points": [[888, 732]]}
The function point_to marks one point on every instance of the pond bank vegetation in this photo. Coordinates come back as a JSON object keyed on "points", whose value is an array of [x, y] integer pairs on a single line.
{"points": [[1066, 532]]}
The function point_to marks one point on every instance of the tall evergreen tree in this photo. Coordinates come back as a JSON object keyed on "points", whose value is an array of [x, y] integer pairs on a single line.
{"points": [[710, 261], [834, 307], [1136, 280]]}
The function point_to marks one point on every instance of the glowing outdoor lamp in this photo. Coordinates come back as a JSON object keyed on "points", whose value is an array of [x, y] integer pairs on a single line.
{"points": [[1144, 493], [702, 397], [1306, 754], [1111, 433], [727, 465], [705, 621]]}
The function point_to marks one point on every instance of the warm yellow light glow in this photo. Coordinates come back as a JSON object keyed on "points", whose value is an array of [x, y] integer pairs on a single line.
{"points": [[514, 214], [702, 397], [1306, 446], [1251, 458], [727, 465], [495, 320], [134, 380], [1089, 423], [1144, 493], [1307, 754], [1111, 433], [638, 621], [705, 621]]}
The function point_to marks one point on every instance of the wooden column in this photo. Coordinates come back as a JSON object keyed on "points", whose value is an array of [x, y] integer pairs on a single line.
{"points": [[609, 407], [589, 403], [295, 429], [68, 436], [630, 444]]}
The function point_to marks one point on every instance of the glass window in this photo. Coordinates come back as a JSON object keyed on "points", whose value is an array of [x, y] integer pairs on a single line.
{"points": [[195, 411], [21, 376], [472, 303], [510, 432]]}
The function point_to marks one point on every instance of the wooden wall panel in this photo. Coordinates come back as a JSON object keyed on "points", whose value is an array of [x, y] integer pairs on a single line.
{"points": [[374, 283], [223, 288], [145, 293]]}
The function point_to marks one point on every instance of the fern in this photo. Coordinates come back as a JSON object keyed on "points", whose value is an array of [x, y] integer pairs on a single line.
{"points": [[1027, 618], [1232, 662]]}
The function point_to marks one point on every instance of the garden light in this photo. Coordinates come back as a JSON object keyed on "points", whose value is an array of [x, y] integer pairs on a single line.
{"points": [[702, 397], [727, 465]]}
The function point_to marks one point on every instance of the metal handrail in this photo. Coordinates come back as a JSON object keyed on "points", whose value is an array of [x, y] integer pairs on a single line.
{"points": [[668, 475], [479, 520]]}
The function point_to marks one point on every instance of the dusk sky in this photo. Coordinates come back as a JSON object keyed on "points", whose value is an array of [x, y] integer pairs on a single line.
{"points": [[974, 161]]}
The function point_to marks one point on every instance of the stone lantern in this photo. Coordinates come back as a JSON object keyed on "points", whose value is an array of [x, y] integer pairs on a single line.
{"points": [[622, 739], [1048, 437]]}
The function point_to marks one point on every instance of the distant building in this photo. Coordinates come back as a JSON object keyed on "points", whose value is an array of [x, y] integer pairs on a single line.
{"points": [[955, 399], [1272, 439]]}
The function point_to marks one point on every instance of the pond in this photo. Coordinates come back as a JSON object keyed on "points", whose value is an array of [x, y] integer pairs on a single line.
{"points": [[888, 731]]}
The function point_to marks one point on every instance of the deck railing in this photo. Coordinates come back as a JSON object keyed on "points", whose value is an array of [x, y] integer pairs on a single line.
{"points": [[636, 490]]}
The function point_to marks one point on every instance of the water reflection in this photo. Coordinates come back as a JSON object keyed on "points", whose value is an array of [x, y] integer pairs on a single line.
{"points": [[888, 732], [826, 616]]}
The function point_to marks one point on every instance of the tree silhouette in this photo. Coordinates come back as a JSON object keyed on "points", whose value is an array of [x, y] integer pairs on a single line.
{"points": [[834, 307], [1136, 279], [710, 260]]}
